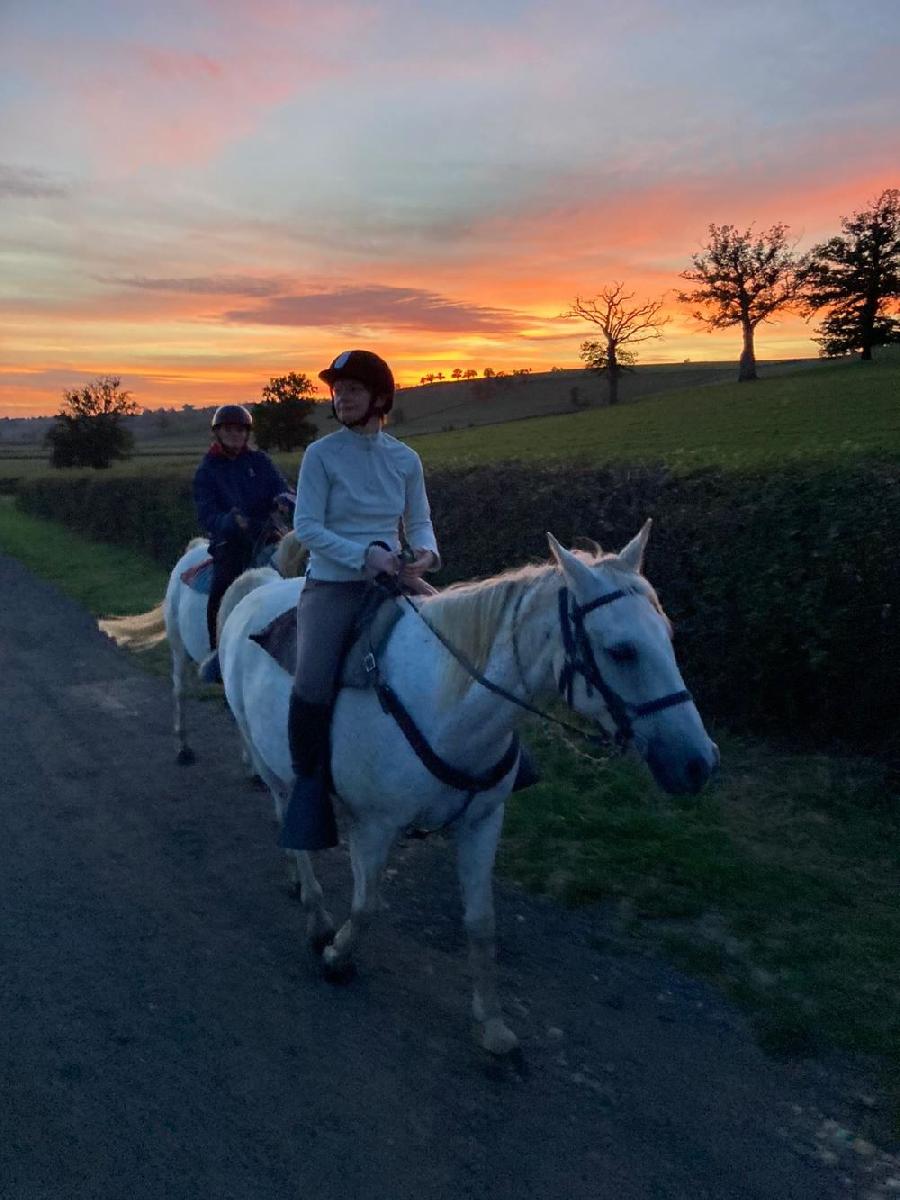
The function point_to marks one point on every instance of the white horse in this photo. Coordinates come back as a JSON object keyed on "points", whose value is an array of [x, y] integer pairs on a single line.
{"points": [[180, 617], [589, 625]]}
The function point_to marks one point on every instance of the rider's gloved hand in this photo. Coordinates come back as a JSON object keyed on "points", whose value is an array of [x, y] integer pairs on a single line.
{"points": [[381, 562]]}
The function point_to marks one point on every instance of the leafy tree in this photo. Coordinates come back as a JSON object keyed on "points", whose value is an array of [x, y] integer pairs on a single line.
{"points": [[88, 431], [280, 419], [856, 276], [623, 325], [470, 373], [456, 373], [743, 280], [489, 372]]}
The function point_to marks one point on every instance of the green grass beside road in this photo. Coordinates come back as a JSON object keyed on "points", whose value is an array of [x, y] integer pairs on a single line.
{"points": [[779, 884]]}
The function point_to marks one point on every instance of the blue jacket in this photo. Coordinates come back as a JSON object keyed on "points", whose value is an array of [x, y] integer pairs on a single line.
{"points": [[248, 483]]}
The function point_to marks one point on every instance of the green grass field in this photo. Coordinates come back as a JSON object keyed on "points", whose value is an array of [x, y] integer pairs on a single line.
{"points": [[830, 412], [817, 411], [780, 884]]}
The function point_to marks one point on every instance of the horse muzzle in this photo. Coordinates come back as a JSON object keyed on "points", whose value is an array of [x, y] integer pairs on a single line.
{"points": [[685, 774]]}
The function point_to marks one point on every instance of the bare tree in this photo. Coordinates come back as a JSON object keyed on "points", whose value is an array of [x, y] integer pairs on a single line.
{"points": [[623, 325], [742, 280]]}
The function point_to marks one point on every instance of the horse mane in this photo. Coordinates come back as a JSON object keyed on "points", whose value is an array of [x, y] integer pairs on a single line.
{"points": [[245, 583], [470, 615], [290, 556]]}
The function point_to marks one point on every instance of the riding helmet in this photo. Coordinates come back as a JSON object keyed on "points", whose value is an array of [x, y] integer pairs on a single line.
{"points": [[232, 414], [366, 368]]}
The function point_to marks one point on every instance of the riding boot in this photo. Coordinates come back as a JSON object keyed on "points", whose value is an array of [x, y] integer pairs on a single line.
{"points": [[309, 817], [528, 772]]}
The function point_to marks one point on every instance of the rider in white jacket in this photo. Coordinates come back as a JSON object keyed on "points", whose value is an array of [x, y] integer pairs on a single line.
{"points": [[354, 488]]}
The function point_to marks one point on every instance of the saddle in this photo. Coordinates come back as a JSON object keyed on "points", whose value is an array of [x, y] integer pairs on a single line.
{"points": [[373, 629], [199, 578]]}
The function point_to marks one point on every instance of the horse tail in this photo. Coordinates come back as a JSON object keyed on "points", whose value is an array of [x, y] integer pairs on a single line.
{"points": [[140, 632]]}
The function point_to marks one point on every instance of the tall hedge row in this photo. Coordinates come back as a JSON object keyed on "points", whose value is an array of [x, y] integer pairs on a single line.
{"points": [[784, 586]]}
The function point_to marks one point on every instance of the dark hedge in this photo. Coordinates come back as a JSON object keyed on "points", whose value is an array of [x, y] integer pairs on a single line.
{"points": [[784, 585]]}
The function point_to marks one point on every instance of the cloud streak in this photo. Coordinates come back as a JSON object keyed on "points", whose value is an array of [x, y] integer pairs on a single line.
{"points": [[382, 307], [201, 285], [29, 183]]}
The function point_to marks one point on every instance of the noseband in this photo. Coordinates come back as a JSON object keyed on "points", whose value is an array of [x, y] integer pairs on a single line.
{"points": [[580, 660]]}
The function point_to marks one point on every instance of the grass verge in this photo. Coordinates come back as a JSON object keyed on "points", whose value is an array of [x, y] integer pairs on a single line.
{"points": [[779, 884], [108, 580]]}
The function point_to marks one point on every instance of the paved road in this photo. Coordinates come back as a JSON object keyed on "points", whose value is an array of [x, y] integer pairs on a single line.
{"points": [[164, 1035]]}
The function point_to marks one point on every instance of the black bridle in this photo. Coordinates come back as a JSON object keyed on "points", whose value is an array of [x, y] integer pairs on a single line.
{"points": [[580, 660]]}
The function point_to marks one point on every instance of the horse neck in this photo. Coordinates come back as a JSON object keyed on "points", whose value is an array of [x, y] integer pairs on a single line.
{"points": [[519, 627]]}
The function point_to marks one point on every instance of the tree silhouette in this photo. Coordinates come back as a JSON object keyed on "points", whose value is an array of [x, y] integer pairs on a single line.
{"points": [[88, 432], [280, 419], [856, 276], [623, 326], [742, 280], [456, 373]]}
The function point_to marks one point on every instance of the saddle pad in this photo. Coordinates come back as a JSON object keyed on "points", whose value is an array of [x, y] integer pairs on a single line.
{"points": [[199, 578], [279, 639]]}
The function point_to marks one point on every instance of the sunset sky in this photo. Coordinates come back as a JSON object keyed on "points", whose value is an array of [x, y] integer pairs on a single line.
{"points": [[199, 195]]}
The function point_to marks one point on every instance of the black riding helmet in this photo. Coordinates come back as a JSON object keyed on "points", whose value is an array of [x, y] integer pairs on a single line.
{"points": [[368, 369], [232, 414]]}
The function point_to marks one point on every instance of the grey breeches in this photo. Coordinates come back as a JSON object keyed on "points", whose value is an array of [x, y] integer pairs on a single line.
{"points": [[326, 615]]}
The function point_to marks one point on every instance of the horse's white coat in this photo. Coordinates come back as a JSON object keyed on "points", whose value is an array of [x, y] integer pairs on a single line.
{"points": [[383, 785]]}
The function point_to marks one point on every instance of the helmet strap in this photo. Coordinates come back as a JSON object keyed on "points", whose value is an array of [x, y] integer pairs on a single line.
{"points": [[373, 410]]}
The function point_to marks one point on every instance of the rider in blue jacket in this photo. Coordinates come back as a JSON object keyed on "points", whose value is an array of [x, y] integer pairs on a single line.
{"points": [[235, 490]]}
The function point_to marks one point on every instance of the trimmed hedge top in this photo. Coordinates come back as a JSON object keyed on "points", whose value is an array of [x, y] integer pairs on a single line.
{"points": [[784, 585]]}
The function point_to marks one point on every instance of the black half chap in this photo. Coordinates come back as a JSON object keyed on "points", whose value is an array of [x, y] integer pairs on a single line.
{"points": [[229, 561]]}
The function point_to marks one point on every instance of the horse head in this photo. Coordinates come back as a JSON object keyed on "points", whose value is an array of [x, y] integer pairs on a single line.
{"points": [[615, 664]]}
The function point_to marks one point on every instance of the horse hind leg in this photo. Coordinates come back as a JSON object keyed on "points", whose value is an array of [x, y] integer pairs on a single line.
{"points": [[185, 756], [370, 846], [476, 850]]}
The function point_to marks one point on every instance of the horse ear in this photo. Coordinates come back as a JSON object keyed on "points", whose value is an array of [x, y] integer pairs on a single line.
{"points": [[632, 555], [577, 574]]}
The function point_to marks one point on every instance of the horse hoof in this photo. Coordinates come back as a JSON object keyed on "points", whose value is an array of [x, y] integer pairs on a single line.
{"points": [[186, 757], [319, 941], [336, 970], [507, 1068], [498, 1039]]}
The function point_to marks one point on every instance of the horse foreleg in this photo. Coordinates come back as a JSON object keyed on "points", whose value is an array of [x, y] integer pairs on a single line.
{"points": [[319, 922], [476, 850], [370, 846]]}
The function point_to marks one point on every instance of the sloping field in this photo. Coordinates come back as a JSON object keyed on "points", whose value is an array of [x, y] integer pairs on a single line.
{"points": [[440, 407], [831, 412], [686, 416]]}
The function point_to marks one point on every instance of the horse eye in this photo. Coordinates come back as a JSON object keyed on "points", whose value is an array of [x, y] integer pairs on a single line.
{"points": [[625, 653]]}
